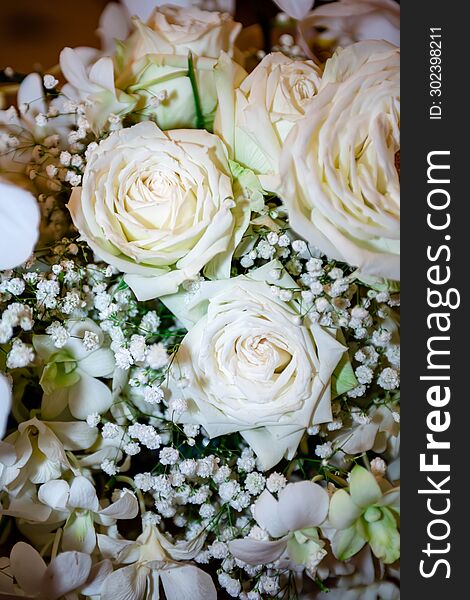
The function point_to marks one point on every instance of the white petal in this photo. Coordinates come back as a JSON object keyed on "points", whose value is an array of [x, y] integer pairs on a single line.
{"points": [[54, 404], [343, 511], [27, 566], [97, 575], [74, 71], [114, 25], [267, 515], [74, 436], [187, 583], [303, 505], [297, 9], [100, 363], [67, 572], [83, 495], [19, 225], [126, 507], [111, 547], [89, 395], [182, 549], [144, 8], [79, 533], [102, 73], [7, 454], [125, 584], [44, 346], [363, 487], [31, 92], [392, 499], [268, 449], [54, 493], [25, 507], [5, 402], [257, 552]]}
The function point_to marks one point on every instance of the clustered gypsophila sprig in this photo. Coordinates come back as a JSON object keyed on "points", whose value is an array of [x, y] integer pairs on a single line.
{"points": [[104, 472]]}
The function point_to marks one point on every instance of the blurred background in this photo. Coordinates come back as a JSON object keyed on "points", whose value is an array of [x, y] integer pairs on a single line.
{"points": [[32, 32]]}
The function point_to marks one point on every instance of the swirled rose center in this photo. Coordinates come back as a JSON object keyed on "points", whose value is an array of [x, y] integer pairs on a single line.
{"points": [[161, 201], [263, 356], [304, 89]]}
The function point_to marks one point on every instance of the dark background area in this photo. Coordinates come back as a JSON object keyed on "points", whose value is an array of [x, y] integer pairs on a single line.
{"points": [[33, 32]]}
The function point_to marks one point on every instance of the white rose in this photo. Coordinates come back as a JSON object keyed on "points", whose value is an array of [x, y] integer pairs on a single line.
{"points": [[180, 30], [348, 21], [249, 364], [39, 453], [159, 206], [144, 8], [338, 167], [256, 113]]}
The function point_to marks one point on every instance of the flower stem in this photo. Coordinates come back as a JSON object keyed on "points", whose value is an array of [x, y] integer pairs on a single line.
{"points": [[200, 121]]}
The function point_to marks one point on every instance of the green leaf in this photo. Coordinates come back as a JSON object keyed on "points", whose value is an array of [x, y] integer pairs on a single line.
{"points": [[343, 378]]}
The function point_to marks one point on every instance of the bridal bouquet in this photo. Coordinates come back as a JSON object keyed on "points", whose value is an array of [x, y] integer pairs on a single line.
{"points": [[199, 330]]}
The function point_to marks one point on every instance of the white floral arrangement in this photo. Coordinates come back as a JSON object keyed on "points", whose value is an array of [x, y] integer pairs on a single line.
{"points": [[199, 330]]}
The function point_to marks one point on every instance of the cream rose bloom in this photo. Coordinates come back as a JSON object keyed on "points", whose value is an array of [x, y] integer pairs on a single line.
{"points": [[250, 364], [160, 207], [256, 113], [347, 21], [339, 179], [181, 30]]}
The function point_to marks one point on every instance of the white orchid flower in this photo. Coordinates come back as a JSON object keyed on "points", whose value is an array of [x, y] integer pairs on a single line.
{"points": [[69, 378], [19, 225], [365, 514], [39, 452], [67, 575], [79, 504], [5, 403], [94, 82], [291, 522], [372, 434], [20, 133], [26, 507], [30, 100], [151, 559]]}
